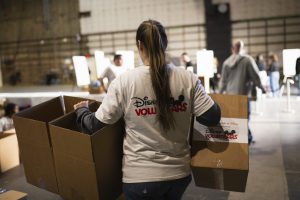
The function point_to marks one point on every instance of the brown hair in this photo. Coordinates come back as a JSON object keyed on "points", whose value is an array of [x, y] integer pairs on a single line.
{"points": [[184, 54], [273, 57], [153, 36]]}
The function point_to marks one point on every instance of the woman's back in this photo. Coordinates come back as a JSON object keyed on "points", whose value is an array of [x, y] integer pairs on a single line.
{"points": [[155, 102], [146, 144]]}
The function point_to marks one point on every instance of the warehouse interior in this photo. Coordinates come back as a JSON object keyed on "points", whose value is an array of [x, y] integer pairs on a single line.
{"points": [[40, 37]]}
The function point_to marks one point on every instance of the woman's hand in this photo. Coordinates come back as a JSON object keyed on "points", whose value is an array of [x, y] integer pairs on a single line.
{"points": [[81, 104]]}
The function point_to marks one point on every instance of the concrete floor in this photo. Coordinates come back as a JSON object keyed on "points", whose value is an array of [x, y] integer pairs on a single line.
{"points": [[274, 160]]}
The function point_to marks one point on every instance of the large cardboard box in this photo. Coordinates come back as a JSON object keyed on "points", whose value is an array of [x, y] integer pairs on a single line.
{"points": [[88, 167], [34, 140], [220, 157], [9, 150]]}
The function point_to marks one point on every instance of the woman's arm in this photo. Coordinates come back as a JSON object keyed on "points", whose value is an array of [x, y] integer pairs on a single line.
{"points": [[86, 119], [211, 117]]}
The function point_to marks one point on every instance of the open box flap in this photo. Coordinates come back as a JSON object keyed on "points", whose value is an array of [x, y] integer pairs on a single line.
{"points": [[46, 111]]}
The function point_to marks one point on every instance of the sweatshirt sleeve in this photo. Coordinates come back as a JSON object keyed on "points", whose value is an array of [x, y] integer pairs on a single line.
{"points": [[87, 121], [202, 101], [111, 109], [211, 117]]}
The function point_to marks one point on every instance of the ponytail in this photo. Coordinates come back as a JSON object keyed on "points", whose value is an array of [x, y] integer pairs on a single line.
{"points": [[153, 36]]}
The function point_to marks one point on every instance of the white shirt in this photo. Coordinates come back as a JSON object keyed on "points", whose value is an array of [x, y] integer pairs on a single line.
{"points": [[6, 123], [113, 71], [150, 154]]}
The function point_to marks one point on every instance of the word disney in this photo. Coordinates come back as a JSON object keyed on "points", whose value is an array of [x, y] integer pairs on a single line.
{"points": [[145, 106]]}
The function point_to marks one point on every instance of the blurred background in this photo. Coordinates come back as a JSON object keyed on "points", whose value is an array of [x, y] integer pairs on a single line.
{"points": [[39, 37]]}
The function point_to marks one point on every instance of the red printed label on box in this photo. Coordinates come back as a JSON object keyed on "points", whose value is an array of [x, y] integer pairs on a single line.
{"points": [[232, 130]]}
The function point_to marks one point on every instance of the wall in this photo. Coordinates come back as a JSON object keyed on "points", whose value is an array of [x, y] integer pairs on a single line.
{"points": [[36, 36], [260, 35], [112, 26], [117, 21], [265, 25], [119, 15], [218, 30], [32, 19], [250, 9]]}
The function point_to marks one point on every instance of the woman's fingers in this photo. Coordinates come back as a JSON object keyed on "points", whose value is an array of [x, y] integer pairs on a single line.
{"points": [[81, 104]]}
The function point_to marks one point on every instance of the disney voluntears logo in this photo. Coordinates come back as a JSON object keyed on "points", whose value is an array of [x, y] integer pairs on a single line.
{"points": [[232, 130], [221, 132], [178, 105], [225, 135], [145, 106], [141, 103]]}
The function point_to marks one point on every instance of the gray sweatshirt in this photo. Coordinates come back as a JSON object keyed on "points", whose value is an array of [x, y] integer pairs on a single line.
{"points": [[237, 73]]}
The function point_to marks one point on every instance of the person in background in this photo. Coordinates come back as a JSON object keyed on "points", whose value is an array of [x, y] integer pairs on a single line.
{"points": [[214, 81], [52, 76], [1, 111], [260, 62], [15, 77], [156, 102], [274, 74], [239, 72], [188, 62], [113, 71], [6, 121], [298, 73]]}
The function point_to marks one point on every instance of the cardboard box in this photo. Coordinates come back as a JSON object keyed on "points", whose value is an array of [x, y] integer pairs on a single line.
{"points": [[220, 157], [9, 150], [96, 90], [34, 140], [13, 195], [88, 166]]}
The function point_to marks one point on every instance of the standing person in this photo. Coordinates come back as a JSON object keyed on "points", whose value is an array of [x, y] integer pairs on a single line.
{"points": [[238, 73], [113, 71], [156, 104], [260, 62], [298, 73], [215, 79], [274, 74], [6, 122], [188, 62]]}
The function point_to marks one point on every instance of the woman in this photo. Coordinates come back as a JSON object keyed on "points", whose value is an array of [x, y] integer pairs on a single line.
{"points": [[274, 74], [6, 122], [155, 102]]}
